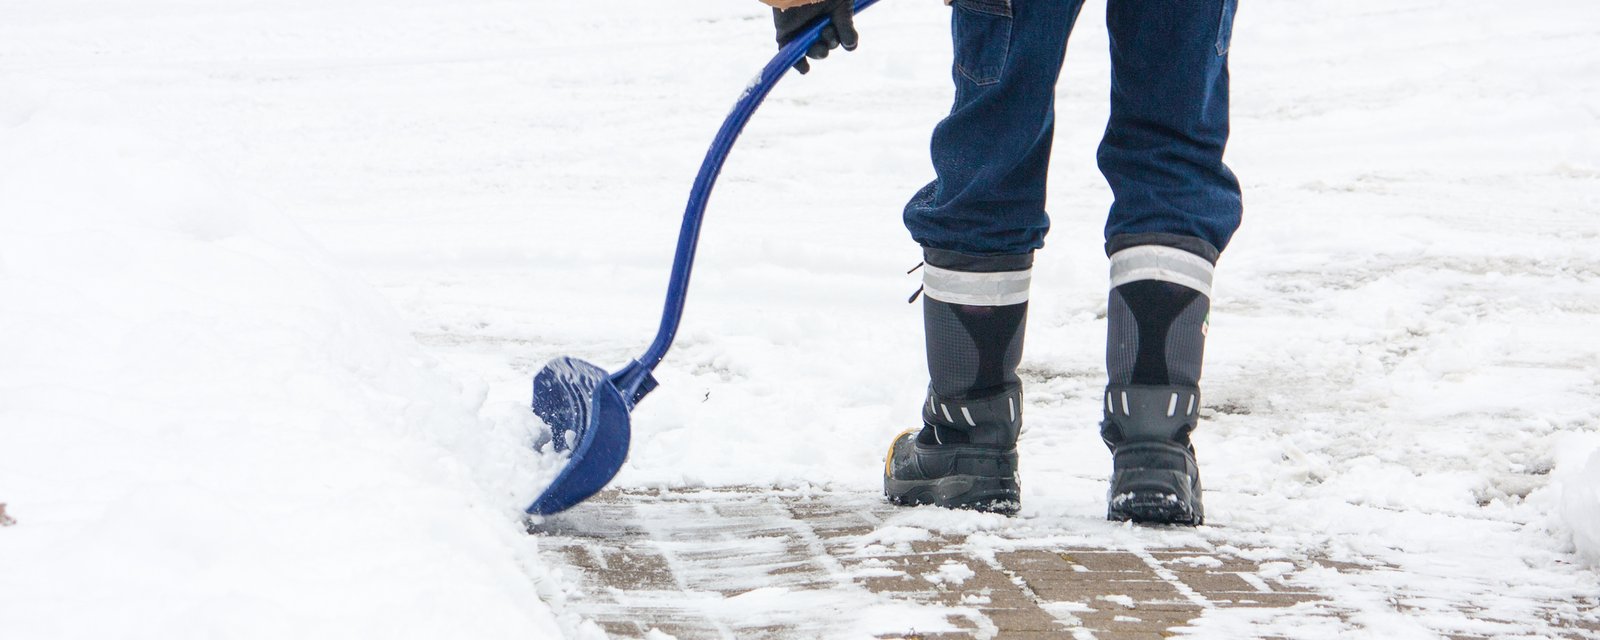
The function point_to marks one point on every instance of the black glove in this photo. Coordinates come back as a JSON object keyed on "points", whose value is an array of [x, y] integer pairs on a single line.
{"points": [[842, 31]]}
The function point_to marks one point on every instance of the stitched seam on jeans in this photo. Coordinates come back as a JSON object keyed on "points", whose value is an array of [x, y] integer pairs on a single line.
{"points": [[985, 76], [974, 79]]}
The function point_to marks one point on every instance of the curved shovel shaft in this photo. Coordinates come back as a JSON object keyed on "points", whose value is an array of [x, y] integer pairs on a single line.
{"points": [[689, 235], [586, 409]]}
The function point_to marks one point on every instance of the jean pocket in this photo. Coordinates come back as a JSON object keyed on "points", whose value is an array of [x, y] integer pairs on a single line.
{"points": [[1225, 26], [982, 34]]}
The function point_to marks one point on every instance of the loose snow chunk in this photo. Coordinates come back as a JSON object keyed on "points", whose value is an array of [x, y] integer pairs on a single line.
{"points": [[1126, 601], [1199, 561], [1066, 608], [1275, 569], [897, 539], [951, 572]]}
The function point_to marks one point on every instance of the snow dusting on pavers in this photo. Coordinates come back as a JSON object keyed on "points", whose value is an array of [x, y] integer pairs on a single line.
{"points": [[755, 562]]}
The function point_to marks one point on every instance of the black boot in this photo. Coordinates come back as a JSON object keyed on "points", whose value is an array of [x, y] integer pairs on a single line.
{"points": [[942, 465], [965, 454], [1159, 305], [1154, 475]]}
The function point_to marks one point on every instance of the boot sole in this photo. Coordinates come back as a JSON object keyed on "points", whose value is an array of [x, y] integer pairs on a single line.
{"points": [[1152, 508], [1152, 484], [975, 493]]}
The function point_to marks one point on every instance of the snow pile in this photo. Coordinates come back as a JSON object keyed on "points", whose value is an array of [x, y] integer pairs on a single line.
{"points": [[1579, 476], [206, 430]]}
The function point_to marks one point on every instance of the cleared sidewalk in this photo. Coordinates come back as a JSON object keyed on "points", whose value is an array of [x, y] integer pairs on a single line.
{"points": [[748, 563]]}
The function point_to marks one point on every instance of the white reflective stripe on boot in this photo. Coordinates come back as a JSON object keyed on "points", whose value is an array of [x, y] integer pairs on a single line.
{"points": [[987, 289], [1154, 262]]}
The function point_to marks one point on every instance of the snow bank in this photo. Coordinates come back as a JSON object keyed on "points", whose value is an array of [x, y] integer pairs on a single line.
{"points": [[207, 430], [1579, 477]]}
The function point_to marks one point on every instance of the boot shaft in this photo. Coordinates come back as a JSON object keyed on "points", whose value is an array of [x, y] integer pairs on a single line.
{"points": [[975, 312], [1155, 340], [1157, 316]]}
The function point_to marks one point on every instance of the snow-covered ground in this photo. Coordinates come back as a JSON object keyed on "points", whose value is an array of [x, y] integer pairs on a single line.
{"points": [[212, 422], [211, 430]]}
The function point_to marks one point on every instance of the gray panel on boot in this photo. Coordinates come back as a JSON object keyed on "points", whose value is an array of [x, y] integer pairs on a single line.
{"points": [[994, 420], [1144, 413], [1186, 342]]}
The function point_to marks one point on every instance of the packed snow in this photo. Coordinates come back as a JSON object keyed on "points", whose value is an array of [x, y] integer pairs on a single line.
{"points": [[274, 276]]}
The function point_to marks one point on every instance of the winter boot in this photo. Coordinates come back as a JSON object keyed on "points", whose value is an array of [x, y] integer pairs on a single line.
{"points": [[965, 454], [1159, 304], [1154, 475]]}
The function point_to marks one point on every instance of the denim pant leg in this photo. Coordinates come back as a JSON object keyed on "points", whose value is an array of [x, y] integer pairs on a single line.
{"points": [[992, 153], [1162, 151]]}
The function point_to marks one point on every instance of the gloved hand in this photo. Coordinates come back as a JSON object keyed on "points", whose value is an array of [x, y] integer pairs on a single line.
{"points": [[841, 32]]}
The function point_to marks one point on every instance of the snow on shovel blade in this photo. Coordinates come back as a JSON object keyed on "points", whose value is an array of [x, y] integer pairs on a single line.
{"points": [[561, 394], [588, 416]]}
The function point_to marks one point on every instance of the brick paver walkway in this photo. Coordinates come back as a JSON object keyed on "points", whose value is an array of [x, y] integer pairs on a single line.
{"points": [[764, 564]]}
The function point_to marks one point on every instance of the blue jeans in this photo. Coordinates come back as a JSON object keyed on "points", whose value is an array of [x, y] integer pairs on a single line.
{"points": [[1162, 150]]}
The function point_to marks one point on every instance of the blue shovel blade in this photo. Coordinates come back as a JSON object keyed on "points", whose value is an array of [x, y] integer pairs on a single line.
{"points": [[588, 416]]}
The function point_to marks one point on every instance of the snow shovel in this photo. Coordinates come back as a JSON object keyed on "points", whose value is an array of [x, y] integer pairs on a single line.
{"points": [[587, 408]]}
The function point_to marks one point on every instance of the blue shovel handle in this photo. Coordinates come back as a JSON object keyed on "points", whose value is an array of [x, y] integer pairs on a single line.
{"points": [[634, 380], [581, 400]]}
